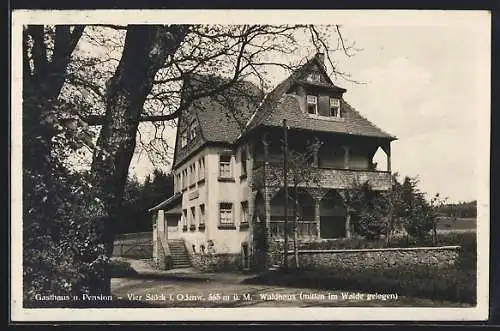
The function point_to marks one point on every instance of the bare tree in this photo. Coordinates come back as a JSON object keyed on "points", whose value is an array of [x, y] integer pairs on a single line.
{"points": [[155, 64], [301, 176]]}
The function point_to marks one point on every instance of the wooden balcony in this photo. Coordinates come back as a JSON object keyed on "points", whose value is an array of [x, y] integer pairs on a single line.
{"points": [[325, 177]]}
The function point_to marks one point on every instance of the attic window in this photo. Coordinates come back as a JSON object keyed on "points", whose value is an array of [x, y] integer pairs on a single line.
{"points": [[184, 139], [334, 107], [192, 131], [314, 77], [312, 104]]}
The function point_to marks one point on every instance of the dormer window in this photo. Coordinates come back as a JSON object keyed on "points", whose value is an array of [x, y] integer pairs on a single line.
{"points": [[312, 104], [334, 107]]}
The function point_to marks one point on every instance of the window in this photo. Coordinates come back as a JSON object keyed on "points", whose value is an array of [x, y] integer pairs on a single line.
{"points": [[201, 168], [192, 131], [334, 107], [178, 183], [184, 139], [312, 104], [184, 179], [225, 166], [202, 216], [314, 77], [243, 163], [226, 213], [192, 174], [244, 213], [192, 223]]}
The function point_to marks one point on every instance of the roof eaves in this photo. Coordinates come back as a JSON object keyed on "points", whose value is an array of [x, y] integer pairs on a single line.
{"points": [[367, 120], [166, 202]]}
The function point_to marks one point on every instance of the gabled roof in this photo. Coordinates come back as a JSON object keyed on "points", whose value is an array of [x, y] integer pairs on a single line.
{"points": [[223, 117], [278, 105]]}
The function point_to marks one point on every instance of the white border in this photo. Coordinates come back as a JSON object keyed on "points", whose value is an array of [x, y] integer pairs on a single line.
{"points": [[478, 20]]}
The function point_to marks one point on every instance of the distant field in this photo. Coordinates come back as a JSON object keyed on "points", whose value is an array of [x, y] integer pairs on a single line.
{"points": [[459, 224]]}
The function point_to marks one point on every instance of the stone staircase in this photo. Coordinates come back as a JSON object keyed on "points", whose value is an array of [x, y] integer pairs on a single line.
{"points": [[180, 257]]}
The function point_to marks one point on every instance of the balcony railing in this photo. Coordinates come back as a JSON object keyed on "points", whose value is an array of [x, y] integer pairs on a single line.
{"points": [[305, 229], [327, 178]]}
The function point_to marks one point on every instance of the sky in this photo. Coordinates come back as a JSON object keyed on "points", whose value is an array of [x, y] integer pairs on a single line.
{"points": [[420, 84]]}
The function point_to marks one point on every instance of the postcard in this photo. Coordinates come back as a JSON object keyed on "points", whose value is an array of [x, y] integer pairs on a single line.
{"points": [[250, 165]]}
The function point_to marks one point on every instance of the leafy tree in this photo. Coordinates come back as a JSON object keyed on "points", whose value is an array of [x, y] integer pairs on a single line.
{"points": [[157, 189]]}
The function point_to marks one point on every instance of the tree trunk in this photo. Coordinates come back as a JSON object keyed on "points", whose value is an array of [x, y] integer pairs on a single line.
{"points": [[145, 51]]}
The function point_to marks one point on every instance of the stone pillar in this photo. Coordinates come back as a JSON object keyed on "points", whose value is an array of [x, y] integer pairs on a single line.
{"points": [[348, 232], [155, 240], [160, 225], [315, 149], [346, 157], [317, 194]]}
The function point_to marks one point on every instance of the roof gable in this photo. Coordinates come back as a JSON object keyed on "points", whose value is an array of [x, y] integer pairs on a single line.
{"points": [[279, 105]]}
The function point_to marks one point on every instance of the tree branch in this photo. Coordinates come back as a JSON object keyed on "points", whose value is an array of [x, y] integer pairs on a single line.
{"points": [[99, 119]]}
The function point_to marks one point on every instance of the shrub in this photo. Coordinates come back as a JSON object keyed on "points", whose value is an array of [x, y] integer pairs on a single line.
{"points": [[217, 262]]}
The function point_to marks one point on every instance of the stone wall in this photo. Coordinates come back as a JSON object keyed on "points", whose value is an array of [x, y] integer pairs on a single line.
{"points": [[130, 249], [216, 262], [383, 258]]}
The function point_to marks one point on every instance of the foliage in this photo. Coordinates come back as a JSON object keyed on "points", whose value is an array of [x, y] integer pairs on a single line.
{"points": [[459, 210], [139, 197], [380, 214], [63, 247], [466, 240], [370, 209]]}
